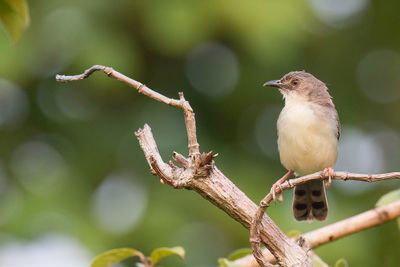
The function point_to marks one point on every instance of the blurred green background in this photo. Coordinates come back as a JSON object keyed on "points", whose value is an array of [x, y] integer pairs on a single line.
{"points": [[73, 180]]}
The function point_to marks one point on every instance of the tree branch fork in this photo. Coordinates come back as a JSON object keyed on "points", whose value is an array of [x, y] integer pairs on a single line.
{"points": [[199, 172]]}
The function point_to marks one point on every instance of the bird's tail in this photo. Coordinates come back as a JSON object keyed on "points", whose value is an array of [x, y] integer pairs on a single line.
{"points": [[309, 201]]}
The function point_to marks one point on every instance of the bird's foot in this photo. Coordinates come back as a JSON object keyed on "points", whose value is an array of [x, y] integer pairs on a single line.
{"points": [[328, 172], [277, 195]]}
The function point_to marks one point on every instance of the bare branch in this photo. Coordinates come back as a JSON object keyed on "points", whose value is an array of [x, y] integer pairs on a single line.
{"points": [[335, 231], [218, 189], [177, 178], [181, 159], [289, 184], [357, 223], [317, 261], [143, 89]]}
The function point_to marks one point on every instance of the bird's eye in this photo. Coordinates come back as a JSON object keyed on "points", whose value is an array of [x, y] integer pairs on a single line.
{"points": [[295, 82]]}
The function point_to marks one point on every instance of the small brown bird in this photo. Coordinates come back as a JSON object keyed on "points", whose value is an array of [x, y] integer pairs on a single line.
{"points": [[308, 134]]}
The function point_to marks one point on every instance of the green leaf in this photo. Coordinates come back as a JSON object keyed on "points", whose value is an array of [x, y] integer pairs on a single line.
{"points": [[114, 256], [160, 253], [14, 16], [388, 198], [239, 253], [223, 262], [341, 263]]}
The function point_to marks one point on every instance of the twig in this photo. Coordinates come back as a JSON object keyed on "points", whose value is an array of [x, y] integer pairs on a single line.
{"points": [[254, 232], [144, 260], [337, 230], [190, 121], [199, 173]]}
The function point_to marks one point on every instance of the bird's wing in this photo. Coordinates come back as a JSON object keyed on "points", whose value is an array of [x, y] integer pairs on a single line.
{"points": [[337, 126]]}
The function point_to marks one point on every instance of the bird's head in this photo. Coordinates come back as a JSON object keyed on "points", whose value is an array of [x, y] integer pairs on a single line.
{"points": [[300, 85]]}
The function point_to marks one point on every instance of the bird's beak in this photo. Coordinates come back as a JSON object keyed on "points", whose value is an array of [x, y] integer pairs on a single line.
{"points": [[273, 83]]}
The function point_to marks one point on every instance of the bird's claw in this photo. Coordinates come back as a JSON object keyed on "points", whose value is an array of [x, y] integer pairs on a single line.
{"points": [[276, 195], [328, 172], [273, 191]]}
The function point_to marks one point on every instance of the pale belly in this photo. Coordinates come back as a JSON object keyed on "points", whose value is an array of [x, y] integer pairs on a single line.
{"points": [[306, 143]]}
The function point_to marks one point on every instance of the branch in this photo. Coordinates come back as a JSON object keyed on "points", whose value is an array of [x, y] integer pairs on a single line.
{"points": [[337, 230], [143, 89], [289, 184], [199, 173], [317, 261], [219, 190]]}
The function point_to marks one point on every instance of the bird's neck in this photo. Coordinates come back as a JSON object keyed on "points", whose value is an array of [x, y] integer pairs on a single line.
{"points": [[294, 99]]}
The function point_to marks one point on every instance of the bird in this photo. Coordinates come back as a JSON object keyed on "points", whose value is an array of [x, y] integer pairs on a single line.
{"points": [[308, 130]]}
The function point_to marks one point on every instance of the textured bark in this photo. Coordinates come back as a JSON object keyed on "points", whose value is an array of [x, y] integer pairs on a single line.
{"points": [[289, 184], [214, 186], [337, 230]]}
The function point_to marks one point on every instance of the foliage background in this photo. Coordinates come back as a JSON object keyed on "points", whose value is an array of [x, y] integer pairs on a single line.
{"points": [[73, 181]]}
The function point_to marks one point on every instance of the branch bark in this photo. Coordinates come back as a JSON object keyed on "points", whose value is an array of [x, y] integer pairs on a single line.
{"points": [[198, 172], [289, 184], [337, 230], [217, 188]]}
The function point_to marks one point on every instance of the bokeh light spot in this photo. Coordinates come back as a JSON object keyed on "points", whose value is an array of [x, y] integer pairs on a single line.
{"points": [[212, 69], [378, 76], [62, 104], [359, 152], [119, 202], [168, 126], [39, 167], [172, 27], [48, 251], [59, 34], [265, 131], [389, 139], [74, 104], [337, 13], [13, 104], [370, 155]]}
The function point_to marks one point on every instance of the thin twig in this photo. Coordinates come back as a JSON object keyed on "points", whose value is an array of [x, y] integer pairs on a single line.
{"points": [[289, 184], [335, 231], [190, 121]]}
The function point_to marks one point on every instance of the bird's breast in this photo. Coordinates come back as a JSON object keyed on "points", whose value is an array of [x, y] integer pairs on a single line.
{"points": [[306, 138]]}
